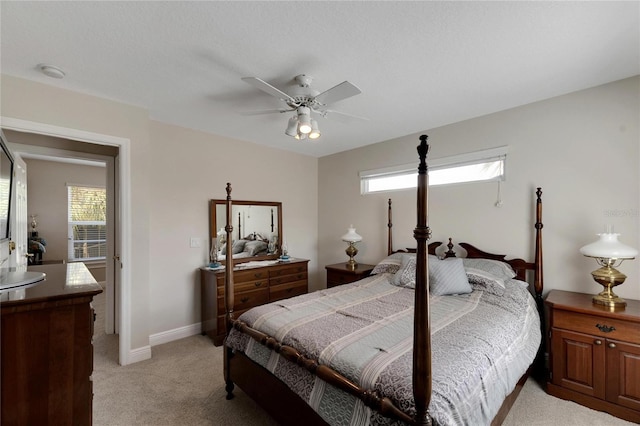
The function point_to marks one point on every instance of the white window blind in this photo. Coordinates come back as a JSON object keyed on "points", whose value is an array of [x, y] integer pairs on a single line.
{"points": [[479, 166], [87, 219]]}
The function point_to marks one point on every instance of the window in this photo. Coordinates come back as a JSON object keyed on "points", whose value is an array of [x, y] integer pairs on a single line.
{"points": [[479, 166], [87, 230]]}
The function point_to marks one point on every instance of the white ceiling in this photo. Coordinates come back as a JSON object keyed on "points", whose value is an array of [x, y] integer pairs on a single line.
{"points": [[419, 64]]}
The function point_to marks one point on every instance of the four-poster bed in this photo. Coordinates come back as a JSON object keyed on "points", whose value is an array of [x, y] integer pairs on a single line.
{"points": [[382, 373]]}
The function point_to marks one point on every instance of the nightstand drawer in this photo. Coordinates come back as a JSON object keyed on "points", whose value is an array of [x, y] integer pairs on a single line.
{"points": [[599, 326], [341, 277]]}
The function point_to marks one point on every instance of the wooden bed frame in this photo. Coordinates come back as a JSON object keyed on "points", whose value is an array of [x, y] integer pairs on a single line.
{"points": [[288, 408]]}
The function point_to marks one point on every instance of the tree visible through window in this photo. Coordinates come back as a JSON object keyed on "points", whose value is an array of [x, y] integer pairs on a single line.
{"points": [[87, 223]]}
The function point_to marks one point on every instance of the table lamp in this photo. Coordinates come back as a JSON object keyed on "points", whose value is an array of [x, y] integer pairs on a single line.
{"points": [[609, 253], [351, 237]]}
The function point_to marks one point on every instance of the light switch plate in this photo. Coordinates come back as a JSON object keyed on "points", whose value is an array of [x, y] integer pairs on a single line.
{"points": [[195, 242]]}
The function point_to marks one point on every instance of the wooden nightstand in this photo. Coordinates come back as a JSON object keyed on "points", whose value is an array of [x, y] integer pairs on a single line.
{"points": [[338, 273], [594, 353]]}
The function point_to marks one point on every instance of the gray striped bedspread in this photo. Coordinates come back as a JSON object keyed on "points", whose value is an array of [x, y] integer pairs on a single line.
{"points": [[481, 345]]}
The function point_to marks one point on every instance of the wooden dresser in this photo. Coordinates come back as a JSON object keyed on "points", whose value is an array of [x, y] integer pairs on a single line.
{"points": [[47, 350], [253, 286], [594, 354]]}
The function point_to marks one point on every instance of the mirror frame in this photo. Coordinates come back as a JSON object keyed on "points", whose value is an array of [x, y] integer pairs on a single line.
{"points": [[214, 226]]}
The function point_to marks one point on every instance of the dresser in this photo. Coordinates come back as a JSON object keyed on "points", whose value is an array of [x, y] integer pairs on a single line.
{"points": [[340, 273], [594, 354], [47, 349], [253, 286]]}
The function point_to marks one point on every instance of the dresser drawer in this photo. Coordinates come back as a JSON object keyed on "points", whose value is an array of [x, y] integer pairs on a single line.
{"points": [[598, 326], [290, 289], [288, 270], [288, 278], [246, 299], [245, 286], [245, 276]]}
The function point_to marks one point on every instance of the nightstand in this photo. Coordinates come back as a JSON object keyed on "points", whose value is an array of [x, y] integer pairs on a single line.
{"points": [[339, 273], [594, 353]]}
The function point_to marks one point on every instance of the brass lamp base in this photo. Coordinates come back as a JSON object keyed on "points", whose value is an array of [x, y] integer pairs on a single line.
{"points": [[609, 277], [351, 252]]}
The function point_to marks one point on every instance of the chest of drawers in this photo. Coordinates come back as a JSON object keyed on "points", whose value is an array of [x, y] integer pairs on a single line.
{"points": [[252, 287]]}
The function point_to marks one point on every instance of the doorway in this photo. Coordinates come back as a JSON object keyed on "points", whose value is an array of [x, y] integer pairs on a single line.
{"points": [[120, 271]]}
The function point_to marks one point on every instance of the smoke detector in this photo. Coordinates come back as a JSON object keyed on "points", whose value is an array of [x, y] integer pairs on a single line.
{"points": [[51, 71]]}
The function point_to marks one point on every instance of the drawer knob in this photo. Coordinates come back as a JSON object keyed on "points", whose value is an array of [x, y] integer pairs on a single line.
{"points": [[612, 345], [598, 342], [605, 328], [244, 299]]}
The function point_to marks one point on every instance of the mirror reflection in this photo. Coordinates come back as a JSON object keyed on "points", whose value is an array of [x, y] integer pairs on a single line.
{"points": [[257, 230]]}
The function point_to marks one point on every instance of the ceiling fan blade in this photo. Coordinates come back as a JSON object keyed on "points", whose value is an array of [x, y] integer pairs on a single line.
{"points": [[266, 87], [265, 111], [337, 93], [341, 116]]}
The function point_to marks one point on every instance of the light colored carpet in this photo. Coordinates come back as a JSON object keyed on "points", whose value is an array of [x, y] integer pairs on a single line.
{"points": [[183, 385]]}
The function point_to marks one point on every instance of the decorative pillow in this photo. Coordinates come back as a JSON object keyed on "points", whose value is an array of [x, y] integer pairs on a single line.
{"points": [[447, 276], [406, 275], [236, 247], [496, 268], [390, 264], [485, 281], [254, 247]]}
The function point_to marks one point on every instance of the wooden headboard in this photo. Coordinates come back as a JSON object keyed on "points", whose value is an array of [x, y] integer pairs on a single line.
{"points": [[519, 266]]}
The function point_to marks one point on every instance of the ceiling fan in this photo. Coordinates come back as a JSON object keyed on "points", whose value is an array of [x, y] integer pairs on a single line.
{"points": [[305, 100]]}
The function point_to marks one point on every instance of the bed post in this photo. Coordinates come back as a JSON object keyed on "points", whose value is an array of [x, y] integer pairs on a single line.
{"points": [[228, 293], [389, 231], [421, 326], [538, 280]]}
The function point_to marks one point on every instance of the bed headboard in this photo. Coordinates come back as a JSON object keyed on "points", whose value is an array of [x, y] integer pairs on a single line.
{"points": [[520, 266]]}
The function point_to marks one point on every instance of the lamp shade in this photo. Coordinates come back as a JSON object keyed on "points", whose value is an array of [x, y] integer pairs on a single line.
{"points": [[351, 236], [608, 247]]}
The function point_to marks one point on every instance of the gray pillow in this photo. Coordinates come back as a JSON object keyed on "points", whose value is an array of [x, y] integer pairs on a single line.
{"points": [[238, 246], [496, 268], [481, 280], [254, 247], [406, 275], [390, 264], [448, 277]]}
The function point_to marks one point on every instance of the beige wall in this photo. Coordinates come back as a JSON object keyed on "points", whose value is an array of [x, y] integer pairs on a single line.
{"points": [[192, 167], [581, 148]]}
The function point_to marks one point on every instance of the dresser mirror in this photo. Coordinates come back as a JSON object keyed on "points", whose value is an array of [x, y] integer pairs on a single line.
{"points": [[257, 230]]}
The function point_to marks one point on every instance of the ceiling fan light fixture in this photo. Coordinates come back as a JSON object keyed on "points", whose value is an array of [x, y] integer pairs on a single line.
{"points": [[304, 119], [292, 127], [315, 131], [304, 124]]}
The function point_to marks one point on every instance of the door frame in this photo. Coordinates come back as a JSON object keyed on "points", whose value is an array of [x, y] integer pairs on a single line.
{"points": [[124, 213]]}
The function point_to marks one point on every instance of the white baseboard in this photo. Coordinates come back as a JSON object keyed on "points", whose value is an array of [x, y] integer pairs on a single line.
{"points": [[175, 334], [137, 355]]}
